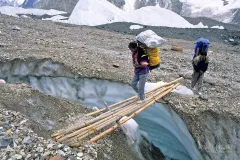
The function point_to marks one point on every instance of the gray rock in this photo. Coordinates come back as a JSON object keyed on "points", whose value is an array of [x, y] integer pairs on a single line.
{"points": [[22, 153], [2, 133], [116, 65], [50, 146], [94, 154], [12, 154], [60, 152], [39, 149], [231, 40], [18, 156], [15, 136], [60, 146], [27, 140], [28, 156], [16, 28], [46, 154], [50, 125], [3, 45], [80, 154], [72, 158], [203, 97], [15, 113], [74, 153], [66, 149], [5, 141]]}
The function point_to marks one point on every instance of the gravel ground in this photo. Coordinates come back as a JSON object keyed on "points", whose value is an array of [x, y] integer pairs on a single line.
{"points": [[210, 22], [27, 119], [20, 142], [214, 35], [94, 53]]}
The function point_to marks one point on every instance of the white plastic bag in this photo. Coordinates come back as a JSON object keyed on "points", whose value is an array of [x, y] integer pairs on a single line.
{"points": [[130, 128], [151, 39], [2, 81], [183, 90]]}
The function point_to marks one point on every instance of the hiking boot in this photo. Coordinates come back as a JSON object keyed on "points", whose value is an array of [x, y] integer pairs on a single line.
{"points": [[137, 99], [141, 101]]}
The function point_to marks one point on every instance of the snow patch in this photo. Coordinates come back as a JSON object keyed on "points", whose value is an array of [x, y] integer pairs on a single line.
{"points": [[57, 18], [2, 81], [132, 27], [180, 89], [218, 27], [130, 128], [201, 25], [183, 90], [24, 16], [13, 11], [150, 86]]}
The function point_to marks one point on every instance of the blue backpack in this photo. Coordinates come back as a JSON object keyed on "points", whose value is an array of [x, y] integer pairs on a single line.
{"points": [[202, 44]]}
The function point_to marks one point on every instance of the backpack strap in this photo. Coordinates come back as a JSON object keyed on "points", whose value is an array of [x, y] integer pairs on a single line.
{"points": [[144, 55]]}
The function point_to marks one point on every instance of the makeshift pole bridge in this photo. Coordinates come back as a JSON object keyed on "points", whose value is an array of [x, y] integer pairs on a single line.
{"points": [[110, 116]]}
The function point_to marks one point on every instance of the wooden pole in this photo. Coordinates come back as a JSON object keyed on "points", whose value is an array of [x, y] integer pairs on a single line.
{"points": [[94, 126], [102, 116], [123, 128], [131, 116], [111, 106]]}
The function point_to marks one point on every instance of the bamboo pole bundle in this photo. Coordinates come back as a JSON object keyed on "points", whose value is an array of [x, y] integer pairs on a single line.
{"points": [[84, 124], [116, 104], [131, 116], [73, 135], [80, 134], [60, 133], [121, 112], [93, 126], [122, 127]]}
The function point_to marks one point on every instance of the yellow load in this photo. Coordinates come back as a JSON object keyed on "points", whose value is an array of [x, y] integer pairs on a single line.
{"points": [[153, 54]]}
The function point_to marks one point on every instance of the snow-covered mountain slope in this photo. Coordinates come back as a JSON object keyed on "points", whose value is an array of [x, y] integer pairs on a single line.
{"points": [[98, 12], [174, 5], [221, 10], [14, 3], [61, 5], [14, 11], [4, 3]]}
